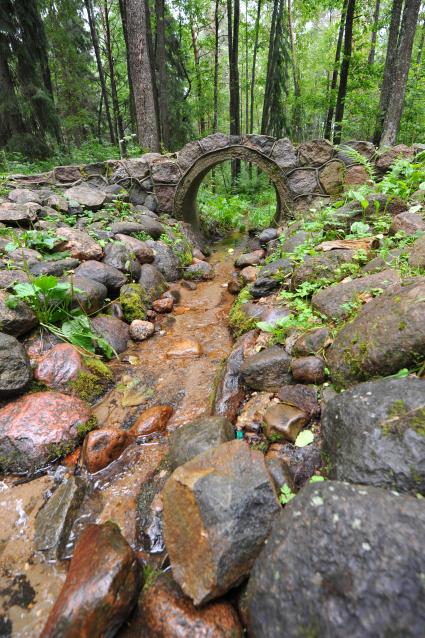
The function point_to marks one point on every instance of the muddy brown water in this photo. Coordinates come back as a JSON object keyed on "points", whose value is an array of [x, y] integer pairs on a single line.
{"points": [[144, 376]]}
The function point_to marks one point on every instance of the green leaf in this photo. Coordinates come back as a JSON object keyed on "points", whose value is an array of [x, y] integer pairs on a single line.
{"points": [[286, 494], [304, 438], [317, 479], [45, 282]]}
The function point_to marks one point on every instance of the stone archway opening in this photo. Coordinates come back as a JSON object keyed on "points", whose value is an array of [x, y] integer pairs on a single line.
{"points": [[185, 198]]}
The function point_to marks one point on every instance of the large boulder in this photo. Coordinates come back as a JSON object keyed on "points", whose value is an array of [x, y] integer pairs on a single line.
{"points": [[101, 587], [15, 369], [39, 427], [341, 561], [141, 250], [165, 260], [56, 268], [58, 365], [388, 334], [152, 281], [416, 252], [79, 244], [86, 196], [104, 274], [113, 330], [150, 225], [267, 370], [315, 152], [374, 434], [24, 196], [88, 294], [339, 301], [121, 257], [22, 215], [198, 436], [15, 321], [321, 267], [218, 510]]}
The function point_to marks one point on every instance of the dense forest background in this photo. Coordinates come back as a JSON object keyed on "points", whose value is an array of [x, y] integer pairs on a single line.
{"points": [[89, 79]]}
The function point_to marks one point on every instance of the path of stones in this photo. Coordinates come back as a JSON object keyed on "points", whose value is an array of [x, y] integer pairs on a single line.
{"points": [[165, 519]]}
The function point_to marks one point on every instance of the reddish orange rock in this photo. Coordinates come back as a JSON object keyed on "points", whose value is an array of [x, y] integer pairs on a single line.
{"points": [[38, 427], [165, 612], [163, 305], [101, 447], [60, 364], [101, 587], [152, 420]]}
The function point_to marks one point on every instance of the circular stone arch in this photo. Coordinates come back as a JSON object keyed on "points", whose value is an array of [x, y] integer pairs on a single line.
{"points": [[188, 186]]}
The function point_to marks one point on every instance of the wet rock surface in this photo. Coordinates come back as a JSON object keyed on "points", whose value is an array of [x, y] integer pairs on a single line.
{"points": [[101, 586], [39, 427], [164, 611], [15, 370], [58, 366], [374, 434], [368, 584], [198, 437], [267, 370], [212, 541]]}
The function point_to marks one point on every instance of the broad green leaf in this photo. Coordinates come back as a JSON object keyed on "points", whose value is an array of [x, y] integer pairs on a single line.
{"points": [[304, 438]]}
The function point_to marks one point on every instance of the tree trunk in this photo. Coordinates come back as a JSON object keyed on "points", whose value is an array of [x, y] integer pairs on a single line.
{"points": [[265, 119], [372, 51], [233, 18], [420, 47], [334, 81], [11, 121], [95, 43], [389, 67], [162, 73], [398, 90], [119, 127], [132, 108], [345, 67], [216, 63], [201, 117], [254, 64], [141, 73], [296, 115]]}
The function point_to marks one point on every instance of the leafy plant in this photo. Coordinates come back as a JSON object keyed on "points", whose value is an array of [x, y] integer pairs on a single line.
{"points": [[286, 494], [306, 437], [358, 158]]}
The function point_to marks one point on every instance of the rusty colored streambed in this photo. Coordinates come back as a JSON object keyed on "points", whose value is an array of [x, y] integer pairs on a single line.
{"points": [[144, 376]]}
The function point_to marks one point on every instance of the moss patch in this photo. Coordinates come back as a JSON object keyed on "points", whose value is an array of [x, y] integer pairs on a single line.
{"points": [[88, 426], [92, 382], [239, 322], [401, 419], [134, 302]]}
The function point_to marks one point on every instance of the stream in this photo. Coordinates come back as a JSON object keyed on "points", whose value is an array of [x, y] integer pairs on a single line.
{"points": [[176, 367]]}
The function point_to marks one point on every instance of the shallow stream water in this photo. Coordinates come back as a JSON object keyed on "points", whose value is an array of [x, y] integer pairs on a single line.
{"points": [[146, 374]]}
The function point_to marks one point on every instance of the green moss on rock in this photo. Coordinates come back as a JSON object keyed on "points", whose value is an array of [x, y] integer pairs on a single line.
{"points": [[134, 302], [92, 382]]}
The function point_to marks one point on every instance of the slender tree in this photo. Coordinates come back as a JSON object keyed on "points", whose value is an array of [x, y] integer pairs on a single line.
{"points": [[100, 70], [118, 121], [216, 62], [345, 67], [372, 50], [233, 19], [389, 68], [335, 72], [254, 65], [404, 53], [141, 73], [198, 75], [297, 110], [160, 52]]}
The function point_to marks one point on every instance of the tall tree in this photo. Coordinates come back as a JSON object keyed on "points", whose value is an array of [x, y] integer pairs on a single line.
{"points": [[142, 74], [160, 55], [254, 65], [345, 67], [297, 111], [335, 72], [198, 76], [233, 20], [216, 62], [118, 121], [372, 50], [389, 68], [404, 53], [274, 117], [100, 70]]}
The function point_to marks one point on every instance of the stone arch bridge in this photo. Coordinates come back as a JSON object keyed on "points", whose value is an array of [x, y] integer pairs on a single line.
{"points": [[169, 183]]}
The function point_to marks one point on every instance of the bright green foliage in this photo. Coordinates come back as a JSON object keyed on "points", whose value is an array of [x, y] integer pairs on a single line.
{"points": [[286, 494]]}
